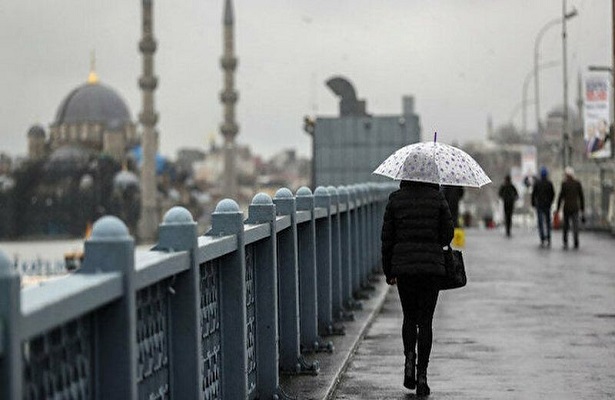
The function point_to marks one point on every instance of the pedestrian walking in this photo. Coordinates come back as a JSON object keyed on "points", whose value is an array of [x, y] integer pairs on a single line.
{"points": [[542, 199], [571, 196], [508, 194], [453, 194], [417, 224]]}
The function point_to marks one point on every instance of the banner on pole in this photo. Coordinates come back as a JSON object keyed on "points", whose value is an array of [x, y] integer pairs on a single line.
{"points": [[596, 114]]}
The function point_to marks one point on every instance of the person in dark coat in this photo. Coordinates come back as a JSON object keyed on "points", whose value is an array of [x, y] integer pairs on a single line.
{"points": [[542, 199], [508, 194], [453, 194], [417, 224], [571, 196]]}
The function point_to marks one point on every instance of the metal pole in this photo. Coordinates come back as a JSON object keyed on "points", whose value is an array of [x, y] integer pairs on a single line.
{"points": [[565, 134], [526, 82], [536, 81], [612, 130]]}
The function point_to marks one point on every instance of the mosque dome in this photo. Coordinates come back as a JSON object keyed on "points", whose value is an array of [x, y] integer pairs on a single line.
{"points": [[93, 102]]}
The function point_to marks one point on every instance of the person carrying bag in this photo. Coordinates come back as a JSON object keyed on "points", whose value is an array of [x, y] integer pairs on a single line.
{"points": [[417, 225]]}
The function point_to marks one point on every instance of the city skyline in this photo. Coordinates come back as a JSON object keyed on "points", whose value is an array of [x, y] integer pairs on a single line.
{"points": [[460, 62]]}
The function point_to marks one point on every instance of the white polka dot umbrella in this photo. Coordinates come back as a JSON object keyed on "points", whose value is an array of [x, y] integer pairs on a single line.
{"points": [[434, 163]]}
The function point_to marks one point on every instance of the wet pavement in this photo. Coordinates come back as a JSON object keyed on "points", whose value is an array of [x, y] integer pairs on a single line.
{"points": [[532, 323]]}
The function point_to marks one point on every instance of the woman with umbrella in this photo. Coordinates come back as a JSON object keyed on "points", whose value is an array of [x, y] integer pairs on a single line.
{"points": [[417, 225]]}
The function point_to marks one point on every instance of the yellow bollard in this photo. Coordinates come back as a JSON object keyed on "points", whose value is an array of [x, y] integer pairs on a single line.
{"points": [[459, 238]]}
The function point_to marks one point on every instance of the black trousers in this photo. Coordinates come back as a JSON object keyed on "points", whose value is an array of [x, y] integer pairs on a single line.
{"points": [[571, 219], [418, 296], [508, 212]]}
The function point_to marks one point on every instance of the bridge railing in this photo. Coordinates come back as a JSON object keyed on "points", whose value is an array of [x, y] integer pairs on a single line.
{"points": [[197, 317]]}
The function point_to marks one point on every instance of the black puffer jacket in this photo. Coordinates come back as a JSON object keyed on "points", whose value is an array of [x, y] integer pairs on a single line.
{"points": [[417, 224]]}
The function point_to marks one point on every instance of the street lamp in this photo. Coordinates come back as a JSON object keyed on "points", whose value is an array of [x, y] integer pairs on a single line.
{"points": [[539, 36], [526, 83]]}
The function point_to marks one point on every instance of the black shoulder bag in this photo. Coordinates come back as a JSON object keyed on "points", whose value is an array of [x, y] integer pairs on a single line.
{"points": [[455, 270]]}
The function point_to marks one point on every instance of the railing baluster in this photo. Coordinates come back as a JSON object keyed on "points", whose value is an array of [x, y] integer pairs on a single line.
{"points": [[322, 200], [346, 250], [111, 249], [336, 257], [178, 232], [308, 303], [262, 211], [227, 219], [11, 364], [291, 360]]}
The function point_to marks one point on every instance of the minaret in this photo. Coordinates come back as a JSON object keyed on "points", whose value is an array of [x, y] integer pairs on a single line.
{"points": [[580, 100], [148, 223], [228, 97], [489, 127]]}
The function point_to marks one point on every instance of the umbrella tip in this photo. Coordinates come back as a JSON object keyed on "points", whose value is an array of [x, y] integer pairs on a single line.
{"points": [[435, 136]]}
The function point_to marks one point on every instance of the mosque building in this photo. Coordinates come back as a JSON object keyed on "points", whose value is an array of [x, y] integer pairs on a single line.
{"points": [[93, 118], [79, 169]]}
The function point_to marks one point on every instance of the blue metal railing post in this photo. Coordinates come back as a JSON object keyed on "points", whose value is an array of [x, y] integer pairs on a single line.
{"points": [[262, 211], [227, 220], [363, 235], [110, 248], [178, 232], [11, 363], [370, 229], [346, 247], [355, 204], [322, 200], [336, 256], [288, 294], [308, 302], [291, 360]]}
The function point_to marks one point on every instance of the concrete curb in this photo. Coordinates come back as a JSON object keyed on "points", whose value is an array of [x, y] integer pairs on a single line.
{"points": [[357, 340], [333, 365]]}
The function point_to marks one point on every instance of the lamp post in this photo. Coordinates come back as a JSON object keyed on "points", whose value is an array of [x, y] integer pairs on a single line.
{"points": [[526, 83], [539, 36]]}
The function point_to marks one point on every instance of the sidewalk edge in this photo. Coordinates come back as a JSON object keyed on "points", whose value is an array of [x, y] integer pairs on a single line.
{"points": [[357, 340]]}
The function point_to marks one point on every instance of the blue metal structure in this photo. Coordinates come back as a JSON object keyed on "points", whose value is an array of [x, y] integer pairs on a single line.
{"points": [[217, 316]]}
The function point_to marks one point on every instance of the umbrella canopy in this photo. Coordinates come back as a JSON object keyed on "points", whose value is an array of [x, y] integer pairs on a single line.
{"points": [[433, 162]]}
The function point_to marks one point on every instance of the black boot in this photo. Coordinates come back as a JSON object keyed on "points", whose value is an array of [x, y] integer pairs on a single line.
{"points": [[410, 371], [421, 384]]}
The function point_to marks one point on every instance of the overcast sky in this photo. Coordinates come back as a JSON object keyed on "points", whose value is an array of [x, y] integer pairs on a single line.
{"points": [[461, 59]]}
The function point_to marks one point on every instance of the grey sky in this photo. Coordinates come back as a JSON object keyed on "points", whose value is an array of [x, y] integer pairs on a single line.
{"points": [[461, 59]]}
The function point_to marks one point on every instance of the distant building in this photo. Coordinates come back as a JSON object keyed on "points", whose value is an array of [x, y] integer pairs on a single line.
{"points": [[284, 169], [347, 148]]}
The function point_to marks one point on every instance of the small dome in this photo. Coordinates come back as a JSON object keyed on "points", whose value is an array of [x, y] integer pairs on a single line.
{"points": [[86, 182], [124, 179], [36, 131], [68, 158], [93, 102]]}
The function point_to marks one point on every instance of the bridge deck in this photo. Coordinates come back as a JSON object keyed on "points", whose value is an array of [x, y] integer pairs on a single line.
{"points": [[531, 323]]}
